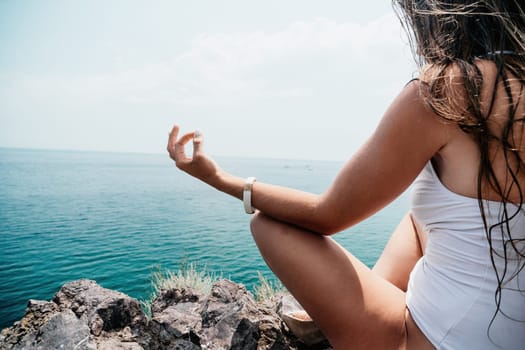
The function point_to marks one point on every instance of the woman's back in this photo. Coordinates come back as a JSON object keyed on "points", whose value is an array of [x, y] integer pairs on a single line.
{"points": [[457, 163]]}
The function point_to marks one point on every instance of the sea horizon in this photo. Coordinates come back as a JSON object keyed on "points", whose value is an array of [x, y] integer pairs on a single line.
{"points": [[165, 154]]}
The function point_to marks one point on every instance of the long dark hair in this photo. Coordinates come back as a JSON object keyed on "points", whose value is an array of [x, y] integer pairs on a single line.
{"points": [[449, 39]]}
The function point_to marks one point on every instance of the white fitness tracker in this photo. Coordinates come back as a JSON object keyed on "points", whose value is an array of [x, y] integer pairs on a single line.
{"points": [[247, 195]]}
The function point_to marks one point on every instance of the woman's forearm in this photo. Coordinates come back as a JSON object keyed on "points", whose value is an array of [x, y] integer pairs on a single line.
{"points": [[293, 206], [282, 203]]}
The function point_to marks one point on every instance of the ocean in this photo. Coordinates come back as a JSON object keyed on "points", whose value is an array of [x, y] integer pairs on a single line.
{"points": [[116, 217]]}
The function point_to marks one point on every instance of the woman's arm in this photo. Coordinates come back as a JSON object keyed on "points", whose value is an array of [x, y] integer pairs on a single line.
{"points": [[407, 137]]}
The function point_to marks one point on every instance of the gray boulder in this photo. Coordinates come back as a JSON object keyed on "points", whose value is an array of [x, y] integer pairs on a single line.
{"points": [[82, 316], [228, 318]]}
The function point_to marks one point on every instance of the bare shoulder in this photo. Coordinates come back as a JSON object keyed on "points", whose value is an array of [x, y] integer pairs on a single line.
{"points": [[497, 93], [407, 137], [412, 109]]}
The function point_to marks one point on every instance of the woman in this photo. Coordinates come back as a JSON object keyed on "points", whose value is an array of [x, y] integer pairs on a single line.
{"points": [[451, 276]]}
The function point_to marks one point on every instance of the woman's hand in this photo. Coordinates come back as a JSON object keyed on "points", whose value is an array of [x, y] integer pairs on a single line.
{"points": [[199, 165]]}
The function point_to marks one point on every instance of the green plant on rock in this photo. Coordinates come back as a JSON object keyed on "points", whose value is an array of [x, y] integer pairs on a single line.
{"points": [[187, 276], [267, 290], [201, 281]]}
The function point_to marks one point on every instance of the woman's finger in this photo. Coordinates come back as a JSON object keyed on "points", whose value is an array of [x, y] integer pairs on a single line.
{"points": [[179, 153], [172, 139], [197, 143], [197, 164]]}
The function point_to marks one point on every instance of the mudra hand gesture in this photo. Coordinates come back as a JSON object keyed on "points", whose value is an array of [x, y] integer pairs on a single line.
{"points": [[199, 165]]}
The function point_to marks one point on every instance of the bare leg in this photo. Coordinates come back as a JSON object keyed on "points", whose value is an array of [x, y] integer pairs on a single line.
{"points": [[401, 253], [355, 307], [405, 247]]}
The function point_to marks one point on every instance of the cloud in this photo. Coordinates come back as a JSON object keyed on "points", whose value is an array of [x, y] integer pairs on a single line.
{"points": [[234, 51], [224, 65], [230, 67]]}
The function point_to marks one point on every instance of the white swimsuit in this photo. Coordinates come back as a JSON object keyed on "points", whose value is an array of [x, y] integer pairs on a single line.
{"points": [[451, 291]]}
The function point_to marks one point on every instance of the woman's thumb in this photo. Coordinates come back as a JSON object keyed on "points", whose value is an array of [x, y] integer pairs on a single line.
{"points": [[197, 142]]}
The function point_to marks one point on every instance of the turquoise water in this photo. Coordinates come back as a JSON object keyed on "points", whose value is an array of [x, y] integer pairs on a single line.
{"points": [[116, 217]]}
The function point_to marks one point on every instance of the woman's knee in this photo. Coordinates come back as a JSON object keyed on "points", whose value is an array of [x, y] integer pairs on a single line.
{"points": [[260, 225], [266, 232]]}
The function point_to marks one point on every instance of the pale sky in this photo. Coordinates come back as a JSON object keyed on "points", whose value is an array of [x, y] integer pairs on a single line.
{"points": [[274, 78]]}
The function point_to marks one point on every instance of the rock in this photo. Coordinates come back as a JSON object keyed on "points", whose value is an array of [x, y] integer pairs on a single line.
{"points": [[175, 319], [106, 310], [85, 316], [62, 330], [114, 344], [65, 331], [299, 321], [228, 318], [82, 316]]}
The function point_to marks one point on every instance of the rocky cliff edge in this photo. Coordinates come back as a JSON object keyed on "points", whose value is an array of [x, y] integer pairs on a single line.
{"points": [[83, 316]]}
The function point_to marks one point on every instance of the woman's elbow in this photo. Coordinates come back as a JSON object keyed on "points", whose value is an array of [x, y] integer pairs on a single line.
{"points": [[260, 224], [327, 218], [326, 224], [328, 229]]}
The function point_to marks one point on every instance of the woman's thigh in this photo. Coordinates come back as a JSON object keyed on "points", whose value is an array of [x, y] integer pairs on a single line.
{"points": [[355, 307], [401, 254]]}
